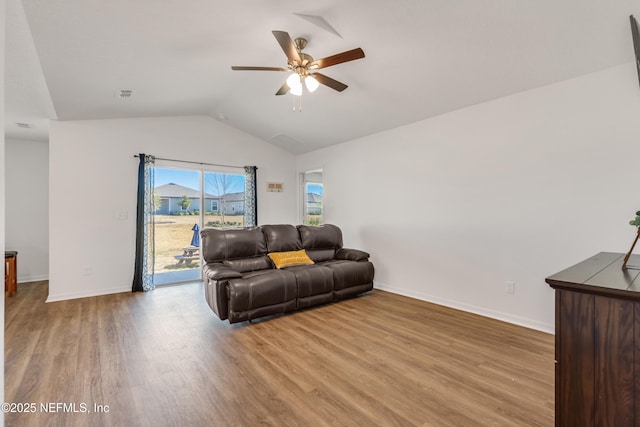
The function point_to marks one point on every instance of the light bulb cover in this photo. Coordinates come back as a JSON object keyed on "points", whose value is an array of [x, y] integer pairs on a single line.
{"points": [[294, 83], [311, 83]]}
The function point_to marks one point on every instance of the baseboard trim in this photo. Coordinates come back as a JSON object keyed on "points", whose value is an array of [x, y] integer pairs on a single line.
{"points": [[27, 279], [76, 295], [482, 311]]}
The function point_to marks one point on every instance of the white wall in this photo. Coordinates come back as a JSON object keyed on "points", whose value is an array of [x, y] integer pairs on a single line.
{"points": [[510, 190], [27, 207], [93, 177]]}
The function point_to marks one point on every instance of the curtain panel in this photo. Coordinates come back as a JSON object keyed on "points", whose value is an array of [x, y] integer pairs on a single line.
{"points": [[250, 197], [143, 269]]}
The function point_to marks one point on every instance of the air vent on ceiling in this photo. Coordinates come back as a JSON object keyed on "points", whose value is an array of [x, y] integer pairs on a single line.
{"points": [[23, 125], [283, 140], [124, 93]]}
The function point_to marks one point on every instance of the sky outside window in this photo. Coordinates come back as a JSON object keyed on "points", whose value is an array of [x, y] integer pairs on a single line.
{"points": [[191, 179]]}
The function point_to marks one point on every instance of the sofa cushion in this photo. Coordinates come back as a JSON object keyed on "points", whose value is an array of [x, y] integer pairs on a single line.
{"points": [[320, 241], [314, 284], [348, 274], [290, 259], [260, 289], [281, 238], [220, 245]]}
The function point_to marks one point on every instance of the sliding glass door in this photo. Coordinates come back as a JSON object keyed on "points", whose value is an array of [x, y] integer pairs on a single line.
{"points": [[185, 201]]}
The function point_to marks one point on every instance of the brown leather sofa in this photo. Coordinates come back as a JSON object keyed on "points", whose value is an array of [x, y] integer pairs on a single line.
{"points": [[242, 283]]}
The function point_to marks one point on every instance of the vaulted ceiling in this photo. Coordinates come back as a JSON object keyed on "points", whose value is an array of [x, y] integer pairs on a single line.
{"points": [[69, 59]]}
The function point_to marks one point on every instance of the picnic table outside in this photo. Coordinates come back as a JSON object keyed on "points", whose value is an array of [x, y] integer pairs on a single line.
{"points": [[189, 254]]}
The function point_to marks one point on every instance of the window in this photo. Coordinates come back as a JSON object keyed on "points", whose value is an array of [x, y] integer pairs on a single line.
{"points": [[214, 206], [313, 197]]}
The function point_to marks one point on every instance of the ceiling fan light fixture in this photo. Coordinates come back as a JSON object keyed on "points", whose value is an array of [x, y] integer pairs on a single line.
{"points": [[311, 83], [300, 64]]}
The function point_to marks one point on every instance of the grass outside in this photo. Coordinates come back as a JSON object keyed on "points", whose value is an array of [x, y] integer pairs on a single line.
{"points": [[173, 233], [314, 219]]}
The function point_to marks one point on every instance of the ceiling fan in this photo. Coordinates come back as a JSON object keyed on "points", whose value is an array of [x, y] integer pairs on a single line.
{"points": [[303, 66]]}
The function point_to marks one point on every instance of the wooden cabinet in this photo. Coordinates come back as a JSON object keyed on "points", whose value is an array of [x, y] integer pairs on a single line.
{"points": [[598, 343], [10, 272]]}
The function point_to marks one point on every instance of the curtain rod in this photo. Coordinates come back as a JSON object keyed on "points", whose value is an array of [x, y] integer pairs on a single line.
{"points": [[195, 163]]}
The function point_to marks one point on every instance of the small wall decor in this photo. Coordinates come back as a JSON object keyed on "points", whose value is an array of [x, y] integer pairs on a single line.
{"points": [[274, 187], [636, 223]]}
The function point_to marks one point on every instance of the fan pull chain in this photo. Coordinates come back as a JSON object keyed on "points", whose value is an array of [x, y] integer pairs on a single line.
{"points": [[294, 103]]}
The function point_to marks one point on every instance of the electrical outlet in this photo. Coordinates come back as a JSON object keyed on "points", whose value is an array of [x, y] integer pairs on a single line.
{"points": [[86, 270], [510, 287], [122, 215]]}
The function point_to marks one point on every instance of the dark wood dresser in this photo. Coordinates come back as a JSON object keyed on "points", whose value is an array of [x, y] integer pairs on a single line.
{"points": [[598, 342]]}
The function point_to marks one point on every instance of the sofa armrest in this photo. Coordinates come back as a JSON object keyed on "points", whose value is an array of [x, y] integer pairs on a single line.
{"points": [[352, 254], [219, 271]]}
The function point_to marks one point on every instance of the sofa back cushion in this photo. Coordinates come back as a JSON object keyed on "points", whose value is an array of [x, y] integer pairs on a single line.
{"points": [[241, 249], [281, 238], [320, 241]]}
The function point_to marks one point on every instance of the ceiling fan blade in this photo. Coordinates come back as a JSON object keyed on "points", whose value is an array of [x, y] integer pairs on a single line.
{"points": [[635, 34], [283, 90], [339, 58], [328, 81], [241, 68], [284, 39]]}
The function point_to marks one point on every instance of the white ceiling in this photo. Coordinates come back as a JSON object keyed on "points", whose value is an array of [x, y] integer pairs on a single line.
{"points": [[67, 59]]}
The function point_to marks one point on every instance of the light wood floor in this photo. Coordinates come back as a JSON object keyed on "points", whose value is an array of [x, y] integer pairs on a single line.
{"points": [[163, 359]]}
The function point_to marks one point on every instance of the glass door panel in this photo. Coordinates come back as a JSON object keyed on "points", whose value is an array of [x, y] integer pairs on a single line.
{"points": [[176, 225], [223, 199]]}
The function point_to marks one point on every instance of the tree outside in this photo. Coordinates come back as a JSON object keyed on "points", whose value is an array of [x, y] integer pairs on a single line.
{"points": [[221, 184], [184, 203], [157, 202]]}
